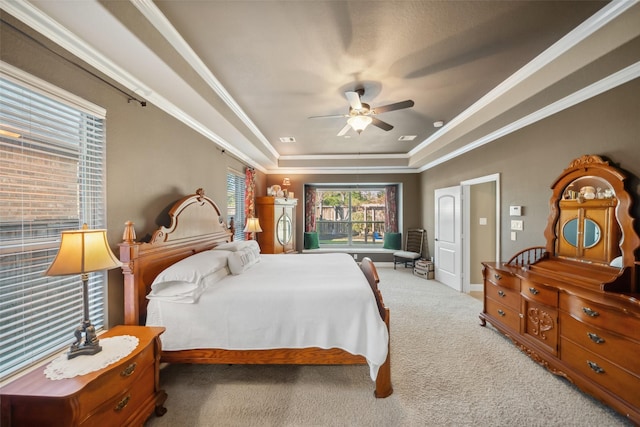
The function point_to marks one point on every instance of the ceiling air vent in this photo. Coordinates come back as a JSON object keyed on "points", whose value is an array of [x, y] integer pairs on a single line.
{"points": [[407, 137]]}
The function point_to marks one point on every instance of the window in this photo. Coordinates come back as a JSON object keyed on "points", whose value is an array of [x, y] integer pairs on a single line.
{"points": [[236, 188], [52, 158], [350, 216]]}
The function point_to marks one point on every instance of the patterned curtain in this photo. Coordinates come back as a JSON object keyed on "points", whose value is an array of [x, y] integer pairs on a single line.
{"points": [[309, 208], [391, 209], [249, 197]]}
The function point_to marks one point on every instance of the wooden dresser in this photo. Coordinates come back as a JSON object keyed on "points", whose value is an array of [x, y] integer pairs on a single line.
{"points": [[123, 394], [277, 217], [573, 306]]}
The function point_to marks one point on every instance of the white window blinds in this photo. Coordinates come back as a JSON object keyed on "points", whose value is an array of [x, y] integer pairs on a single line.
{"points": [[52, 175], [235, 201]]}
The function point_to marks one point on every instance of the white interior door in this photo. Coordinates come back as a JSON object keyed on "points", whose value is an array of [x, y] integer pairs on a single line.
{"points": [[448, 237]]}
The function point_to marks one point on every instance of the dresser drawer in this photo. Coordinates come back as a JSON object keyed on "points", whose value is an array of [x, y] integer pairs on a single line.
{"points": [[539, 293], [613, 347], [501, 278], [503, 314], [118, 410], [505, 296], [119, 377], [541, 324], [601, 371], [601, 316]]}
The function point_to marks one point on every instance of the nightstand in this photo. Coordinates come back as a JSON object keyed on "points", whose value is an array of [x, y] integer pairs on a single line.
{"points": [[124, 393]]}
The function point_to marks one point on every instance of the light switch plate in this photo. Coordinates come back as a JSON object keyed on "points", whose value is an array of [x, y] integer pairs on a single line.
{"points": [[516, 224]]}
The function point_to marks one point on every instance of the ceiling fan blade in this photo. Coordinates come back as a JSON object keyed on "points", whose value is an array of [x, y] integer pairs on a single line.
{"points": [[354, 100], [344, 130], [382, 125], [392, 107], [331, 116]]}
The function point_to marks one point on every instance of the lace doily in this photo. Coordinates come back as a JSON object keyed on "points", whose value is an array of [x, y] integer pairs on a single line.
{"points": [[113, 349]]}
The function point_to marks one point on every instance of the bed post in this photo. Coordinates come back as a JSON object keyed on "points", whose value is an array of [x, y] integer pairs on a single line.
{"points": [[128, 255], [383, 380]]}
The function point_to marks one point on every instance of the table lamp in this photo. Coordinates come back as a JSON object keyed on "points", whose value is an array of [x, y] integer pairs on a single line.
{"points": [[82, 252], [253, 227], [285, 185]]}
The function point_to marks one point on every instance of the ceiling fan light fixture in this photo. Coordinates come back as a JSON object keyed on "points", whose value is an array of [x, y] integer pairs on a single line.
{"points": [[359, 123]]}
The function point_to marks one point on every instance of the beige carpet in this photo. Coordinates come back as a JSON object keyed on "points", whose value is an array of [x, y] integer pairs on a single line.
{"points": [[446, 371]]}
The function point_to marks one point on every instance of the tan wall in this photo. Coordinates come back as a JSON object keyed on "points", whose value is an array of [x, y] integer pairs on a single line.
{"points": [[529, 161]]}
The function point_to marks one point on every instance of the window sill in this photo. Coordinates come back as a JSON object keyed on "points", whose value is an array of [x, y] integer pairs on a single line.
{"points": [[350, 250]]}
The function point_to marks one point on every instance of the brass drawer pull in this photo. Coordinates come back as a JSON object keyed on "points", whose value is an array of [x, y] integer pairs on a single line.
{"points": [[501, 293], [501, 313], [594, 366], [128, 370], [589, 312], [534, 291], [595, 338], [497, 276], [124, 402]]}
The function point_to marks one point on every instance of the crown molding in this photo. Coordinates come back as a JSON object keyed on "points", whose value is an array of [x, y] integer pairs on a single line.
{"points": [[623, 76], [599, 20], [168, 31]]}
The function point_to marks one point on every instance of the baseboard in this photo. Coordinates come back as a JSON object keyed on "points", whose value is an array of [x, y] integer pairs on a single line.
{"points": [[476, 287]]}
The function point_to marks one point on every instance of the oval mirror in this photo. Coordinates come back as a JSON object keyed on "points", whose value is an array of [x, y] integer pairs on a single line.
{"points": [[283, 229], [570, 232], [591, 233]]}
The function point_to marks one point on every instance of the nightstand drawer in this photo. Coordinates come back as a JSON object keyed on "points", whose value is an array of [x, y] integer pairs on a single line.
{"points": [[119, 409], [613, 347], [623, 323], [539, 293], [119, 377]]}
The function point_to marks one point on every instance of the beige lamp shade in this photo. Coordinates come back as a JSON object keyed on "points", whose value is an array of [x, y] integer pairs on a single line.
{"points": [[83, 251], [253, 226]]}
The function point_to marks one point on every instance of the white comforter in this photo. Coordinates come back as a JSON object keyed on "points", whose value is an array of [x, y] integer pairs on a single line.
{"points": [[283, 301]]}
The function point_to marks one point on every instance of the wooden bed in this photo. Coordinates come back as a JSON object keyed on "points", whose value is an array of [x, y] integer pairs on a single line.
{"points": [[196, 225]]}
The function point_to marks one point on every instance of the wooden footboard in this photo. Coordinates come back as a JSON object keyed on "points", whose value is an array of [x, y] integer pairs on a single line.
{"points": [[196, 226]]}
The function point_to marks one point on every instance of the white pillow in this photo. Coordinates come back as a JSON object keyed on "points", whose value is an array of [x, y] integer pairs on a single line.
{"points": [[185, 292], [192, 269], [239, 245], [241, 260], [182, 292]]}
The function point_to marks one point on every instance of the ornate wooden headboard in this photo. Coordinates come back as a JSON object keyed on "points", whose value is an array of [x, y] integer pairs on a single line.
{"points": [[196, 225]]}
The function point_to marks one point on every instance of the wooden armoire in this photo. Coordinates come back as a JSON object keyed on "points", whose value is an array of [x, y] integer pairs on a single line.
{"points": [[573, 306], [277, 216]]}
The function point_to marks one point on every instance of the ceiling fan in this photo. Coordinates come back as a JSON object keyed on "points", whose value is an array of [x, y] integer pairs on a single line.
{"points": [[361, 115]]}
